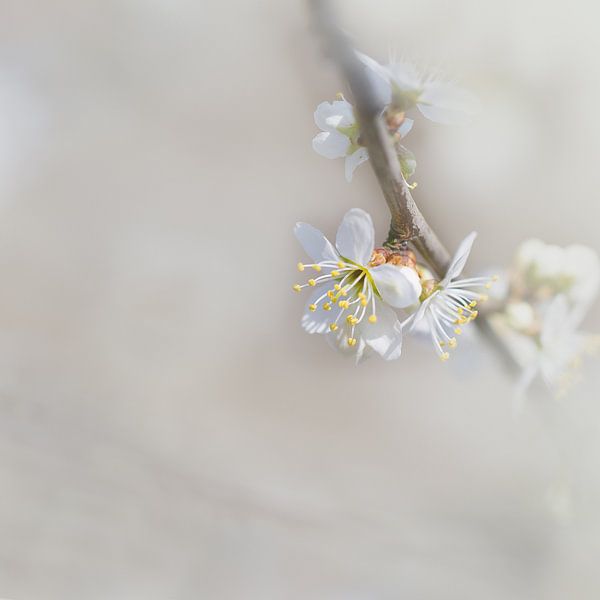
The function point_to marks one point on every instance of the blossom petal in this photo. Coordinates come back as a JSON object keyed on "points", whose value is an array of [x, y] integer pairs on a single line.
{"points": [[353, 160], [399, 286], [405, 127], [379, 78], [555, 321], [339, 341], [460, 258], [446, 103], [316, 321], [331, 115], [415, 319], [355, 237], [315, 244], [331, 144], [385, 335]]}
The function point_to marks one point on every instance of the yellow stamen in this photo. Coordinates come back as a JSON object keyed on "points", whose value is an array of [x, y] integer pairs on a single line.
{"points": [[473, 304], [317, 268], [364, 302], [297, 287], [312, 282], [300, 267], [373, 319], [312, 307], [341, 265], [337, 287], [452, 342], [444, 356], [333, 327], [351, 341], [326, 306], [335, 273], [458, 331]]}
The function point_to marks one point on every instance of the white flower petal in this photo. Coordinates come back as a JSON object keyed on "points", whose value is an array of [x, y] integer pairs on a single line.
{"points": [[330, 115], [385, 335], [379, 78], [331, 144], [316, 321], [315, 244], [399, 286], [339, 341], [414, 321], [460, 258], [356, 158], [405, 76], [355, 237], [555, 321], [405, 127], [445, 103]]}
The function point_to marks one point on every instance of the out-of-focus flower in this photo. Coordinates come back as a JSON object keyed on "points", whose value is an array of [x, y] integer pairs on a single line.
{"points": [[352, 294], [520, 316], [547, 270], [448, 305], [340, 137], [402, 87], [555, 353]]}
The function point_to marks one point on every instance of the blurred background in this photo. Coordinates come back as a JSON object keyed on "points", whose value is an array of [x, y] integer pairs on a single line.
{"points": [[167, 430]]}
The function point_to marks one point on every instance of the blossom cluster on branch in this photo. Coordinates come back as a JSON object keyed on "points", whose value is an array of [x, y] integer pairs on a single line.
{"points": [[400, 89], [364, 298], [548, 292]]}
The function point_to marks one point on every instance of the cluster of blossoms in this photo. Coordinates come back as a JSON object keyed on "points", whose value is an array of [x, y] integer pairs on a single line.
{"points": [[549, 292], [400, 89], [364, 298], [357, 290]]}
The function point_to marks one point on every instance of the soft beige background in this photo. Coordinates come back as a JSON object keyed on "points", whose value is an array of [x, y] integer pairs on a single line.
{"points": [[166, 428]]}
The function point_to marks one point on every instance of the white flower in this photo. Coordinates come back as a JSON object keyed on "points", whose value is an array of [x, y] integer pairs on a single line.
{"points": [[340, 134], [351, 299], [402, 86], [451, 303], [556, 353], [574, 270]]}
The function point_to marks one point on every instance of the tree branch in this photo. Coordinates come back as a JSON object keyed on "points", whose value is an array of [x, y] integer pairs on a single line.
{"points": [[407, 224]]}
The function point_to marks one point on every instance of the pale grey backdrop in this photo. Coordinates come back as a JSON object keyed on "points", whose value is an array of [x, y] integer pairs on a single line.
{"points": [[166, 428]]}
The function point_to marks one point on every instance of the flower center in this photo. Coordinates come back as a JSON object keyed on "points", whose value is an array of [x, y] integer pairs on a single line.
{"points": [[347, 291]]}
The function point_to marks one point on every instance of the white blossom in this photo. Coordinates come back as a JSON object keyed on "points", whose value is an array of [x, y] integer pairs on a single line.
{"points": [[550, 269], [556, 352], [340, 135], [351, 300], [401, 85], [451, 303]]}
